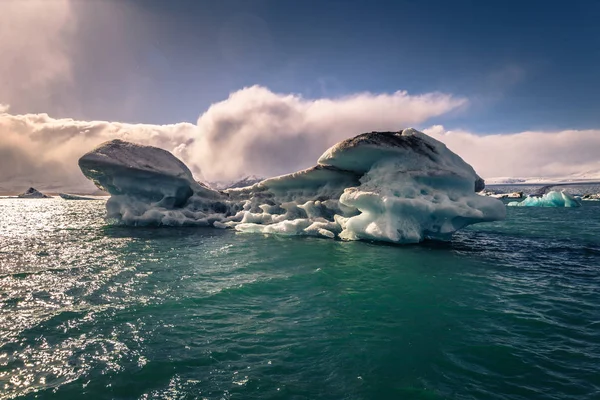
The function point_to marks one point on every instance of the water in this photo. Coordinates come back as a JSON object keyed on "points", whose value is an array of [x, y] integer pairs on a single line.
{"points": [[578, 189], [508, 310]]}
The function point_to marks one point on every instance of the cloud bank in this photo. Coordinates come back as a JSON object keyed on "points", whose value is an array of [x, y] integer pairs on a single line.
{"points": [[257, 131], [40, 151], [526, 154], [254, 131]]}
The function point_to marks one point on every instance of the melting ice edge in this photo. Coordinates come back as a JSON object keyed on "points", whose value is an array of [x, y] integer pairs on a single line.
{"points": [[400, 187]]}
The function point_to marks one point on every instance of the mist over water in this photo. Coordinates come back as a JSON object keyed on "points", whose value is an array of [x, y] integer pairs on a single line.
{"points": [[508, 310]]}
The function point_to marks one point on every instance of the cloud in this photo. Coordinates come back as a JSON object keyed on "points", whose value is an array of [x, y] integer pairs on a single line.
{"points": [[77, 58], [34, 43], [257, 131], [254, 131], [525, 154], [37, 150]]}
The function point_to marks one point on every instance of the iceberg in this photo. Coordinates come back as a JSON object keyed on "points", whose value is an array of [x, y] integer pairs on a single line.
{"points": [[513, 195], [68, 196], [33, 193], [550, 199], [591, 197], [399, 187]]}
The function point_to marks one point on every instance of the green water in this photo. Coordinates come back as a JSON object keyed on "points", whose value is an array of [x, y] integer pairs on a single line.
{"points": [[508, 310]]}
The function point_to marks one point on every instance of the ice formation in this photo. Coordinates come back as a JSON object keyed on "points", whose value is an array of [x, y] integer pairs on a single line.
{"points": [[68, 196], [400, 187], [591, 197], [33, 193], [550, 199], [513, 195]]}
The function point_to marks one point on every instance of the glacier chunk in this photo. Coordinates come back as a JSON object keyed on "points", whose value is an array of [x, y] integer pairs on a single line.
{"points": [[69, 196], [399, 187], [550, 199], [146, 172]]}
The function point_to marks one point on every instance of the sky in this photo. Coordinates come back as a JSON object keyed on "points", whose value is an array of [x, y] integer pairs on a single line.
{"points": [[237, 87]]}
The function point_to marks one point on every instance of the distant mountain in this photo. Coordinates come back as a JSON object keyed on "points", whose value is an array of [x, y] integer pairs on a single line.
{"points": [[581, 177], [247, 181]]}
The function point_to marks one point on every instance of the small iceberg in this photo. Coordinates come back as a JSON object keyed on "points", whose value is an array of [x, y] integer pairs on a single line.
{"points": [[591, 197], [513, 195], [68, 196], [550, 199], [33, 193]]}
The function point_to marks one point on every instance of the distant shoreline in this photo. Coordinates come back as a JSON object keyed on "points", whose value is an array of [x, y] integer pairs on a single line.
{"points": [[53, 194], [595, 182], [591, 182]]}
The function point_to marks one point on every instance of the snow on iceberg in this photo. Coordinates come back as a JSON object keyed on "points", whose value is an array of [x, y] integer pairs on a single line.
{"points": [[400, 187], [550, 199]]}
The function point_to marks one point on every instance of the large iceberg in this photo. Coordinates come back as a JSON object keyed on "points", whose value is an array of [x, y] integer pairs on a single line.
{"points": [[550, 199], [400, 187]]}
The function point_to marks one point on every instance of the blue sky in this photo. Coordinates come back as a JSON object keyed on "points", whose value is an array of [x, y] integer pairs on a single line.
{"points": [[522, 64], [265, 86]]}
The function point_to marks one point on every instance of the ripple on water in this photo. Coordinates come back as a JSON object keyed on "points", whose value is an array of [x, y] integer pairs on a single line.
{"points": [[508, 310]]}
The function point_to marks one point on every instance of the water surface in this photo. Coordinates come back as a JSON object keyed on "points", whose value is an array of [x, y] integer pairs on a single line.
{"points": [[508, 310]]}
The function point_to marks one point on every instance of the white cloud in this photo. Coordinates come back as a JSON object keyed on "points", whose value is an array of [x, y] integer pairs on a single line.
{"points": [[37, 150], [256, 131], [525, 154]]}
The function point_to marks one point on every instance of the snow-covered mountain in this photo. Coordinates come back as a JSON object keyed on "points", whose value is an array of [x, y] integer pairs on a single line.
{"points": [[246, 181], [581, 177]]}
